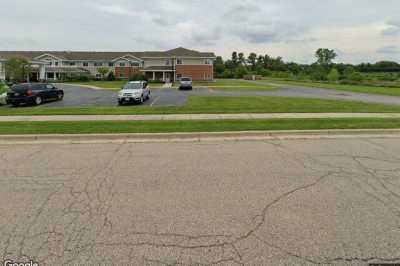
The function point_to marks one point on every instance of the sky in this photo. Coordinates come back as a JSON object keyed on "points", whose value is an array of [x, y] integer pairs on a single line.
{"points": [[358, 30]]}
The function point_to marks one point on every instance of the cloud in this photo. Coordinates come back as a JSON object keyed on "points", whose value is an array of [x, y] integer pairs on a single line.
{"points": [[287, 28], [393, 29], [267, 32], [206, 37], [389, 50]]}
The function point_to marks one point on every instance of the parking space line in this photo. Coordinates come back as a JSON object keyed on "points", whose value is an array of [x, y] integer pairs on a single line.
{"points": [[155, 100]]}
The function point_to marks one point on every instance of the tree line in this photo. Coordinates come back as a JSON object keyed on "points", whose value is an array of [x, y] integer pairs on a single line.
{"points": [[323, 69]]}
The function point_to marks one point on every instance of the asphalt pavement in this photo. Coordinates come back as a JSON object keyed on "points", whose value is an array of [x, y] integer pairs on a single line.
{"points": [[270, 202], [80, 96]]}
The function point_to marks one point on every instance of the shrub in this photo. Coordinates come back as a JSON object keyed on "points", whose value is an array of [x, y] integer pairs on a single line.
{"points": [[356, 76], [241, 71], [228, 74], [155, 81], [137, 77], [111, 76], [77, 77], [333, 75]]}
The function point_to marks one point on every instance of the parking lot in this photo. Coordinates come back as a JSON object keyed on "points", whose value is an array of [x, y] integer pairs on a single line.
{"points": [[81, 96]]}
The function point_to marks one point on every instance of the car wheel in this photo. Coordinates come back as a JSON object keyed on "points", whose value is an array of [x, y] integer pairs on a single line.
{"points": [[60, 96], [120, 102], [38, 100]]}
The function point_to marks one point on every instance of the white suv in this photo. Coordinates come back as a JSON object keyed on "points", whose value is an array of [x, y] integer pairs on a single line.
{"points": [[134, 91], [186, 83]]}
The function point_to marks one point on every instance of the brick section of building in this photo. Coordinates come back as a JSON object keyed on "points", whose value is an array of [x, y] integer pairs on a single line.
{"points": [[196, 72], [126, 72]]}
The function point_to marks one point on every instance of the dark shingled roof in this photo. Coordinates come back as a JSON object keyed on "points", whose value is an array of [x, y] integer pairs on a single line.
{"points": [[69, 55]]}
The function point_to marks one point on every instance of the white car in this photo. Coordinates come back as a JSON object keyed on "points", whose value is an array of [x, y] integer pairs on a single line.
{"points": [[134, 91]]}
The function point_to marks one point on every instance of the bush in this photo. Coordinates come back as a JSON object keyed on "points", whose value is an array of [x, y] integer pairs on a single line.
{"points": [[228, 74], [155, 81], [111, 76], [137, 77], [77, 77], [241, 71], [356, 76], [333, 75]]}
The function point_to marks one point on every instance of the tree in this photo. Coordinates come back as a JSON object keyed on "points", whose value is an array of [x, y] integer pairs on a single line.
{"points": [[103, 71], [234, 59], [219, 66], [325, 56], [17, 69], [252, 59], [333, 75], [241, 59]]}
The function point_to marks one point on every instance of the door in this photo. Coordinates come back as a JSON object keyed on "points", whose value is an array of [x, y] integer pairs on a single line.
{"points": [[51, 92], [146, 90]]}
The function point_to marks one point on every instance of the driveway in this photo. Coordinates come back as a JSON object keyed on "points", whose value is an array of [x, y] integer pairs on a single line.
{"points": [[79, 96], [275, 202]]}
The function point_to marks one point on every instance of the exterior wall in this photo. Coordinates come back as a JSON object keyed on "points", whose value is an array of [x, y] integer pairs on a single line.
{"points": [[196, 72], [193, 61], [2, 71], [197, 68], [126, 72], [148, 62]]}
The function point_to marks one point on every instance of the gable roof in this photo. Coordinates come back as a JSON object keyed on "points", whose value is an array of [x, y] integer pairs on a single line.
{"points": [[70, 55]]}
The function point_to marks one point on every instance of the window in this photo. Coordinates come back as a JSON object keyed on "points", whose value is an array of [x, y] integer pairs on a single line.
{"points": [[134, 64], [167, 62], [121, 64], [72, 63], [98, 64], [179, 61], [110, 64], [208, 62], [85, 64], [121, 75], [56, 63]]}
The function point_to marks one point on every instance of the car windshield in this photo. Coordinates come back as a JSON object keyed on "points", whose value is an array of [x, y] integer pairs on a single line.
{"points": [[186, 79], [133, 86]]}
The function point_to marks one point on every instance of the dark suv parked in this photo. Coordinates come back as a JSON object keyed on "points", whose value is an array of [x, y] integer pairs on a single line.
{"points": [[33, 93]]}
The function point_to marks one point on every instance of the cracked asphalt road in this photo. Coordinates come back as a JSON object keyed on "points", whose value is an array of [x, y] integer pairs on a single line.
{"points": [[281, 202]]}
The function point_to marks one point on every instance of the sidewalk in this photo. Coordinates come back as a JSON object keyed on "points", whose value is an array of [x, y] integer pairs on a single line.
{"points": [[192, 117]]}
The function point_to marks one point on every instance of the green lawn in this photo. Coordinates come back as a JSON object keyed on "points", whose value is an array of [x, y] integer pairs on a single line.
{"points": [[113, 85], [233, 85], [216, 85], [191, 126], [217, 105], [352, 88]]}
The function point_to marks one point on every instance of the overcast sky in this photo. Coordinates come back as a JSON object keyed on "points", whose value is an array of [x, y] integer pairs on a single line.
{"points": [[359, 30]]}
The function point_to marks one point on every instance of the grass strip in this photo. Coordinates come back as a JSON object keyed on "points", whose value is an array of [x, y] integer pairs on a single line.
{"points": [[219, 105], [93, 127]]}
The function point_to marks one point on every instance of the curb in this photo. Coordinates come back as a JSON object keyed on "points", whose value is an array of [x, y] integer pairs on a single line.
{"points": [[198, 136]]}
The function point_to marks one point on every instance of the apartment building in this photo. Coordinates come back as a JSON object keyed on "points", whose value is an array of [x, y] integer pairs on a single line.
{"points": [[157, 65]]}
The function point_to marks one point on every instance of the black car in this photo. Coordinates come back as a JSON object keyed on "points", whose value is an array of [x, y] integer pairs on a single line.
{"points": [[33, 93]]}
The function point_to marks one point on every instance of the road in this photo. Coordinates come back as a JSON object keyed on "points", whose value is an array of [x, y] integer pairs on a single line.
{"points": [[272, 202]]}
